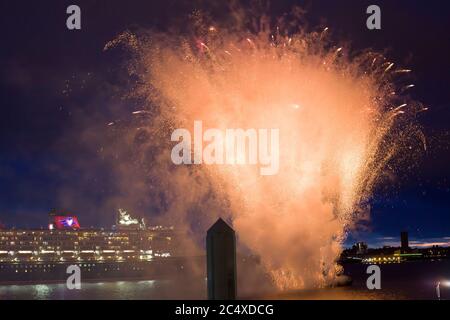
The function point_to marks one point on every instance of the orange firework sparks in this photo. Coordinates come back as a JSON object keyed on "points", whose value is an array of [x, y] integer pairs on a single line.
{"points": [[339, 120]]}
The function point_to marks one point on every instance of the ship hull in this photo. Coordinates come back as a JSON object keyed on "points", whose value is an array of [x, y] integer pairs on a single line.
{"points": [[15, 273]]}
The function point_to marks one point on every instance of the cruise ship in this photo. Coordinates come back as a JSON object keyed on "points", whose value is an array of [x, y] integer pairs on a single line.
{"points": [[129, 250]]}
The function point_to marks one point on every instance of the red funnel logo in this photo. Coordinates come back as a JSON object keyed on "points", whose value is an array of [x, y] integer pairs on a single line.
{"points": [[66, 222]]}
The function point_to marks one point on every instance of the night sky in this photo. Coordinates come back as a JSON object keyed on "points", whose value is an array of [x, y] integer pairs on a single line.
{"points": [[56, 84]]}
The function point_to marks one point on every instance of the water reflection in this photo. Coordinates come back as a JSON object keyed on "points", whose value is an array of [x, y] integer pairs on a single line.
{"points": [[143, 290], [42, 291], [119, 290]]}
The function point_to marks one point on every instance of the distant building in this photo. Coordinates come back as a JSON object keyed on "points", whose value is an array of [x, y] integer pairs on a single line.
{"points": [[361, 248], [404, 241]]}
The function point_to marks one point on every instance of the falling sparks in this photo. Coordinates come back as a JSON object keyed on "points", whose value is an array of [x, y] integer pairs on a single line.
{"points": [[204, 46], [403, 71], [400, 107], [140, 112], [389, 67]]}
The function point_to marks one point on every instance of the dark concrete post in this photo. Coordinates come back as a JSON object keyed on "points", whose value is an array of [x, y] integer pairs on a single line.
{"points": [[221, 261]]}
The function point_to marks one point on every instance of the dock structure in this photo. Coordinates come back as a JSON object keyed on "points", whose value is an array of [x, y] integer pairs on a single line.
{"points": [[221, 262]]}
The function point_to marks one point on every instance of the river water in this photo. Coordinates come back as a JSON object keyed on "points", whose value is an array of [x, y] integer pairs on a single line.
{"points": [[412, 280]]}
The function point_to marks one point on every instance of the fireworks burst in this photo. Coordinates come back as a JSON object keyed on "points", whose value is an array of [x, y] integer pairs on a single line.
{"points": [[341, 122]]}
